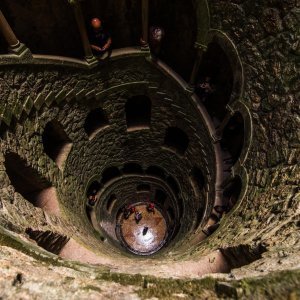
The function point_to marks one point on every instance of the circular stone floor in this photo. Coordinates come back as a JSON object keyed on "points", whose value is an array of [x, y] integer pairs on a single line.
{"points": [[137, 238]]}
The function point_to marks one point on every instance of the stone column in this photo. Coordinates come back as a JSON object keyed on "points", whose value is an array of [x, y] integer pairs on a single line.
{"points": [[91, 60], [14, 44], [145, 25], [200, 50]]}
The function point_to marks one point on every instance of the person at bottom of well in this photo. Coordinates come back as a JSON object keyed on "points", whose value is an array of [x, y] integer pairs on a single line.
{"points": [[137, 216]]}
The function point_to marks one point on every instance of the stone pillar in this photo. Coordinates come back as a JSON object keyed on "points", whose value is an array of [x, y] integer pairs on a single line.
{"points": [[14, 44], [91, 60], [200, 50], [145, 25]]}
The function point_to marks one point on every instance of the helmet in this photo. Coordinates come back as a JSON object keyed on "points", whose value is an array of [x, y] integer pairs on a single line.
{"points": [[96, 23]]}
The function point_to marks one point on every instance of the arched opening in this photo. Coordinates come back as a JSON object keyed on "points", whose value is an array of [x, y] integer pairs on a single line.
{"points": [[94, 122], [93, 188], [30, 184], [160, 197], [3, 46], [110, 203], [110, 173], [57, 144], [138, 113], [178, 20], [232, 192], [233, 138], [215, 68], [132, 168], [173, 184], [143, 187], [176, 139], [198, 178], [156, 171]]}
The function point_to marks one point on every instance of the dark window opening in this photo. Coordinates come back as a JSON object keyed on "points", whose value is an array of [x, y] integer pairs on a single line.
{"points": [[215, 69], [132, 168], [231, 193], [171, 214], [50, 241], [88, 211], [180, 207], [176, 139], [143, 187], [156, 171], [233, 139], [3, 129], [110, 203], [198, 178], [110, 173], [138, 113], [94, 122], [160, 197], [242, 255], [93, 188], [173, 184], [199, 216], [57, 144], [27, 181]]}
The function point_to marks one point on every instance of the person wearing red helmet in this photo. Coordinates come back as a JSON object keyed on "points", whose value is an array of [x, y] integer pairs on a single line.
{"points": [[101, 40]]}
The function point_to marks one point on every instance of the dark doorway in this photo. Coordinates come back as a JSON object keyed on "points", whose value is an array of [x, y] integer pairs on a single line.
{"points": [[198, 178], [93, 188], [233, 137], [133, 168], [57, 144], [232, 192], [215, 67], [160, 197], [156, 171], [110, 203], [26, 181], [177, 140], [110, 173], [173, 185], [143, 187], [138, 113], [94, 122]]}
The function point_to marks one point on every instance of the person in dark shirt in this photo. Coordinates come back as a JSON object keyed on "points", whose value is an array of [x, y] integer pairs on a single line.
{"points": [[92, 199], [205, 88], [100, 39], [156, 36]]}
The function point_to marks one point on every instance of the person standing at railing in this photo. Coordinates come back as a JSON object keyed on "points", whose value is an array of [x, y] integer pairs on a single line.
{"points": [[100, 39]]}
